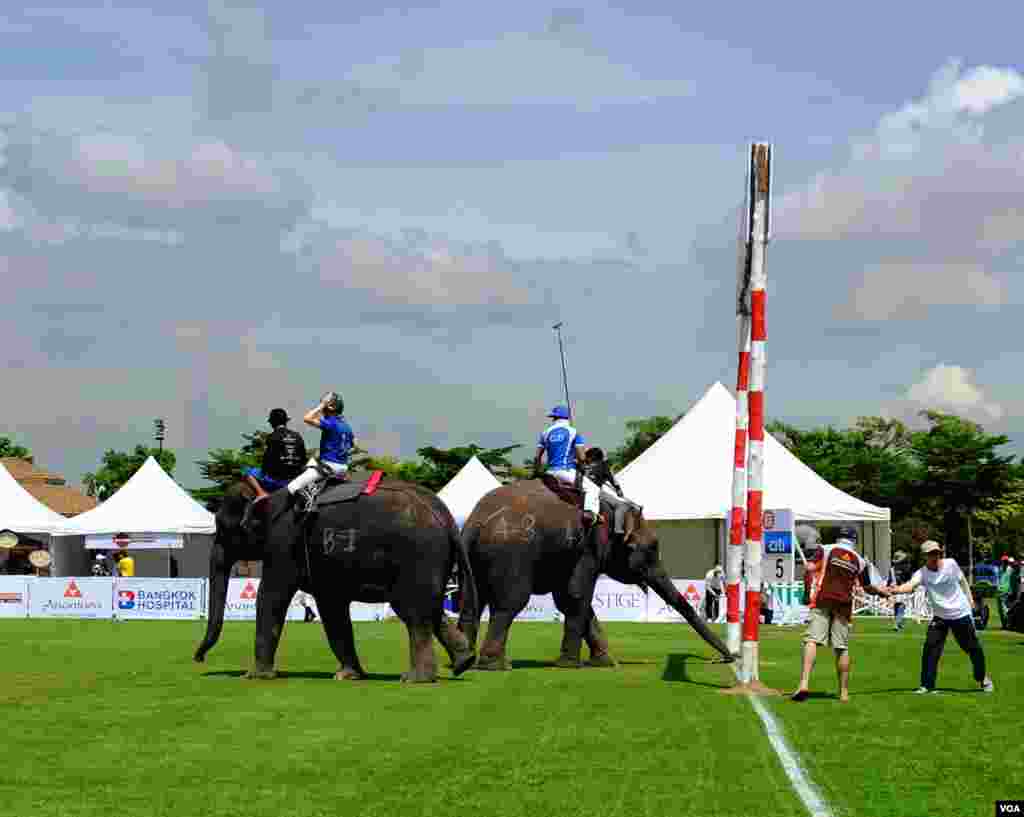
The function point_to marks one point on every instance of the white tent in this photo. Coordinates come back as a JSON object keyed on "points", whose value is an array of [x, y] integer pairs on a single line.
{"points": [[466, 488], [687, 475], [23, 513], [150, 509]]}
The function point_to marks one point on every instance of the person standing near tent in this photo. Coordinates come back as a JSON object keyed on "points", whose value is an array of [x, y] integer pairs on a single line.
{"points": [[838, 568], [952, 605], [125, 564], [713, 581]]}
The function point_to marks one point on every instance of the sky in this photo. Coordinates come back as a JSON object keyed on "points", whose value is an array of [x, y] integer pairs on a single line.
{"points": [[209, 210]]}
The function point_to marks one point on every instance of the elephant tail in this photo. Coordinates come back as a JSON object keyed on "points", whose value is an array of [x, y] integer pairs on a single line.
{"points": [[470, 612]]}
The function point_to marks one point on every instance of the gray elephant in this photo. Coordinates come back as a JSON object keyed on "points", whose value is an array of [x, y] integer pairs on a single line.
{"points": [[522, 539], [397, 544]]}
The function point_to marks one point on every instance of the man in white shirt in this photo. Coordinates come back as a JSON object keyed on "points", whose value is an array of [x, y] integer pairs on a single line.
{"points": [[713, 581], [952, 603]]}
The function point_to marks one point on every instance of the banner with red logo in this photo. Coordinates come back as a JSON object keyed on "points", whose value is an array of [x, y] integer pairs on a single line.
{"points": [[241, 601], [72, 597], [145, 598], [13, 596], [659, 611]]}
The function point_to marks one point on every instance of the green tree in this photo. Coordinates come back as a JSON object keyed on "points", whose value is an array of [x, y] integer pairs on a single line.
{"points": [[118, 467], [640, 435], [8, 448], [961, 470], [225, 466], [873, 461]]}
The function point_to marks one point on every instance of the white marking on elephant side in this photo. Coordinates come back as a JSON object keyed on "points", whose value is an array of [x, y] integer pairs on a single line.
{"points": [[790, 760]]}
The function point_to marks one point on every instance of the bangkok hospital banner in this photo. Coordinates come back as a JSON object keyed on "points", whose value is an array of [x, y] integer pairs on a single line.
{"points": [[145, 598]]}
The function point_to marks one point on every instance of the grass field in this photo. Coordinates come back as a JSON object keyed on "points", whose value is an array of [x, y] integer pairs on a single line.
{"points": [[104, 718]]}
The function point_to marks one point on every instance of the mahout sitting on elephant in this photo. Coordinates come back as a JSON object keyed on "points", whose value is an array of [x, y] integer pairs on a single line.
{"points": [[375, 541], [522, 539]]}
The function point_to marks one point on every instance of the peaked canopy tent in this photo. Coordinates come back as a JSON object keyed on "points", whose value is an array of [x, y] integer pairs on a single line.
{"points": [[150, 512], [467, 488], [684, 482], [22, 513]]}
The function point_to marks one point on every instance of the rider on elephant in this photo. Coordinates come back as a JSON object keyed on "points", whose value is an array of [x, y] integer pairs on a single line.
{"points": [[597, 470], [283, 457], [563, 446], [336, 443]]}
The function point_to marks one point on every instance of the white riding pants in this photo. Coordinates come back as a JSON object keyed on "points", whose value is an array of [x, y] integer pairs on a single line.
{"points": [[591, 493], [312, 474]]}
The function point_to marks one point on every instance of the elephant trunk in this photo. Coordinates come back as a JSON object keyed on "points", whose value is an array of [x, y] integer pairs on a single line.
{"points": [[661, 584], [220, 571]]}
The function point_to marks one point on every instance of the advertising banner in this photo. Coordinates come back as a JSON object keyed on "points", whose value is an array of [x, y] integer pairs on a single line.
{"points": [[778, 558], [135, 541], [691, 589], [143, 598], [540, 608], [72, 597], [241, 600], [13, 596], [619, 602]]}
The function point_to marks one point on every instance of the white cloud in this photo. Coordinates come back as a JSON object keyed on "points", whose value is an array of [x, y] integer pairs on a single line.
{"points": [[950, 388], [906, 290], [517, 68]]}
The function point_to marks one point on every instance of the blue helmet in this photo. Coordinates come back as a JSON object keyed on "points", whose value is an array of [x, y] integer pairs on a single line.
{"points": [[559, 413]]}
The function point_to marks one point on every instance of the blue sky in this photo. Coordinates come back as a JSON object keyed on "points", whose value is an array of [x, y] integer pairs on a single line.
{"points": [[207, 210]]}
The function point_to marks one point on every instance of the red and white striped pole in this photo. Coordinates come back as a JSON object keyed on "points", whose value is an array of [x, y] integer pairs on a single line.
{"points": [[760, 197], [734, 552]]}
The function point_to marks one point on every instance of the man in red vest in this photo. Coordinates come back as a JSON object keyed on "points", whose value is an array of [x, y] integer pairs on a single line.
{"points": [[838, 569]]}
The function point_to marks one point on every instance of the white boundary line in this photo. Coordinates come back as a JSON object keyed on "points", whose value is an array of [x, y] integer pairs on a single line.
{"points": [[790, 760]]}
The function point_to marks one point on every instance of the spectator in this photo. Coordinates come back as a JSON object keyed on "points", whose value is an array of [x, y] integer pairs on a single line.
{"points": [[767, 603], [899, 573], [713, 582], [125, 565], [837, 569], [309, 615], [952, 603]]}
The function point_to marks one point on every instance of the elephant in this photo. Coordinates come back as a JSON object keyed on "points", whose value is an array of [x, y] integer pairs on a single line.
{"points": [[521, 539], [397, 544]]}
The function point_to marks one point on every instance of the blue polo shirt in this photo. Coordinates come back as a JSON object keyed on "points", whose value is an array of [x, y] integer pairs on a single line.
{"points": [[336, 439], [559, 441]]}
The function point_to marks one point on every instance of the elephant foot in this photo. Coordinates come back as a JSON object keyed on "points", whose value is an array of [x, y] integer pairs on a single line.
{"points": [[568, 662], [462, 662], [349, 674], [602, 660], [419, 677], [261, 675], [498, 663]]}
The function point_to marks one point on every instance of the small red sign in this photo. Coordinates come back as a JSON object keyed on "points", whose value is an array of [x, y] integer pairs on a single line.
{"points": [[72, 591], [248, 592]]}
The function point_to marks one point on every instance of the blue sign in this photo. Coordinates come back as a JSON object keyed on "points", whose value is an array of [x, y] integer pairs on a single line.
{"points": [[778, 542]]}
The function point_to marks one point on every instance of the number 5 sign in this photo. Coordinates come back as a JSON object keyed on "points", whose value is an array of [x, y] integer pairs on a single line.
{"points": [[779, 553]]}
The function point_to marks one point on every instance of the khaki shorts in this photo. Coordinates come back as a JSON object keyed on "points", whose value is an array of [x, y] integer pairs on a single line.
{"points": [[827, 626]]}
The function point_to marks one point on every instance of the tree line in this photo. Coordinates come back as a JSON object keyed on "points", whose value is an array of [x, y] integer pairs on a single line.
{"points": [[947, 481]]}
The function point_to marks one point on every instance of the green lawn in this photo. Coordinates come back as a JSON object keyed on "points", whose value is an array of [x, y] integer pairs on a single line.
{"points": [[114, 719]]}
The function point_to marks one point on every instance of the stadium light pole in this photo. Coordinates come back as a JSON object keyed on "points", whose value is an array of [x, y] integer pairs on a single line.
{"points": [[159, 431]]}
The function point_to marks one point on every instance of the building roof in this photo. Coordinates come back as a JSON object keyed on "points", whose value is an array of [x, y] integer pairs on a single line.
{"points": [[49, 488]]}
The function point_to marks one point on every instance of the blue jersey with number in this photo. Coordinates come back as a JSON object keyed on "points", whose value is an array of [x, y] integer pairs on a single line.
{"points": [[336, 439], [559, 441]]}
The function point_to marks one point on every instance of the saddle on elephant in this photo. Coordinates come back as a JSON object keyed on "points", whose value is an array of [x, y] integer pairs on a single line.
{"points": [[333, 490], [574, 496]]}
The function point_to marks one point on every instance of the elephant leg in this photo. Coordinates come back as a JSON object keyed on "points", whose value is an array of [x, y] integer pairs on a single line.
{"points": [[422, 661], [337, 621], [493, 653], [597, 643], [460, 652], [577, 613], [272, 600]]}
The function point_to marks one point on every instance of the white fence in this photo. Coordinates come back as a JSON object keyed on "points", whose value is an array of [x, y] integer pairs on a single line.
{"points": [[153, 598]]}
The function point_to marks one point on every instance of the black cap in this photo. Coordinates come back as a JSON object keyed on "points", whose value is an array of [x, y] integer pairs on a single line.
{"points": [[278, 417]]}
